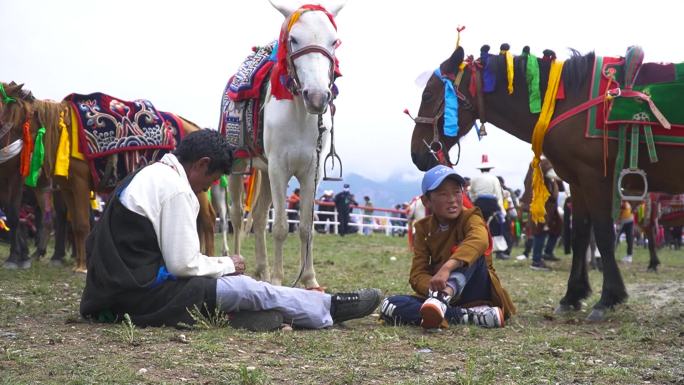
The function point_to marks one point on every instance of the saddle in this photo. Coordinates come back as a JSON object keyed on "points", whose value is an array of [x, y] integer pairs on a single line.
{"points": [[241, 120]]}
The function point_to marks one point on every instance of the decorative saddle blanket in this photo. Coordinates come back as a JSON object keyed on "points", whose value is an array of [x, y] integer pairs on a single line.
{"points": [[664, 83], [136, 131], [241, 120]]}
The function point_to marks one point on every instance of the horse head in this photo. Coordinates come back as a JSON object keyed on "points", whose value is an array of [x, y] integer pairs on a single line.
{"points": [[430, 144], [15, 107], [306, 49]]}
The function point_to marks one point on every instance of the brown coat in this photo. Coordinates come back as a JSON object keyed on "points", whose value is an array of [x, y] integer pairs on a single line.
{"points": [[432, 248]]}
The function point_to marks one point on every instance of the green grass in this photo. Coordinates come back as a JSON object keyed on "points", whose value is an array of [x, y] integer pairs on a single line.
{"points": [[42, 340]]}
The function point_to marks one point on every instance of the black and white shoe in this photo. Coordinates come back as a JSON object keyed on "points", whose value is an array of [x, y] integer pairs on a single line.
{"points": [[485, 316], [356, 304]]}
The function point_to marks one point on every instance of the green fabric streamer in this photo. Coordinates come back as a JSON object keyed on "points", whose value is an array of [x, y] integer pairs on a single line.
{"points": [[532, 75], [36, 159], [224, 181], [6, 99]]}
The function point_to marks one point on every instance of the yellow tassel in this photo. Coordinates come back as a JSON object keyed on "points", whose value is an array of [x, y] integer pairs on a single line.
{"points": [[62, 160], [509, 69], [75, 151], [539, 192], [293, 19], [251, 190], [94, 204]]}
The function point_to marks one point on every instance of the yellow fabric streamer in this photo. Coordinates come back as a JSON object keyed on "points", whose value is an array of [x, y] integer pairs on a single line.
{"points": [[251, 190], [62, 159], [539, 192], [75, 152], [294, 18], [509, 69]]}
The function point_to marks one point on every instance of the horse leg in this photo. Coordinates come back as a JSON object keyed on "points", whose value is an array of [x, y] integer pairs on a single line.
{"points": [[278, 179], [578, 283], [306, 231], [218, 202], [59, 224], [260, 208], [236, 212], [43, 235], [12, 193], [206, 220], [653, 261]]}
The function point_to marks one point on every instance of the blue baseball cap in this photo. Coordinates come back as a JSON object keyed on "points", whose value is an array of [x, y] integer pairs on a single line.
{"points": [[436, 175]]}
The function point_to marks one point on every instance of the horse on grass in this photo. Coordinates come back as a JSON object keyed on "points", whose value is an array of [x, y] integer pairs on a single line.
{"points": [[297, 120], [494, 88], [24, 115]]}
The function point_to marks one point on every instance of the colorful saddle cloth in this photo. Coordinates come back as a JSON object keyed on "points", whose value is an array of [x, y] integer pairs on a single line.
{"points": [[664, 83], [136, 131], [241, 120]]}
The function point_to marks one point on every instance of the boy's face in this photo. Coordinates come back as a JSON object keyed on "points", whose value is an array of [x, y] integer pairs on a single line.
{"points": [[446, 201]]}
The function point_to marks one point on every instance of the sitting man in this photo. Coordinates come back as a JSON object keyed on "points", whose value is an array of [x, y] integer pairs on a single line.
{"points": [[452, 266], [144, 256]]}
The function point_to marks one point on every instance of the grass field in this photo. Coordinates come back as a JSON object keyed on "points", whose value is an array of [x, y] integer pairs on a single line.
{"points": [[43, 341]]}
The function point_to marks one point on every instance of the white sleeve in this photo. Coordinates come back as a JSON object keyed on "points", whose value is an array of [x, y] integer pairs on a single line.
{"points": [[179, 241]]}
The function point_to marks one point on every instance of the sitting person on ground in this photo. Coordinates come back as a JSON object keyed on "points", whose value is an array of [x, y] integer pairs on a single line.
{"points": [[452, 272], [144, 255]]}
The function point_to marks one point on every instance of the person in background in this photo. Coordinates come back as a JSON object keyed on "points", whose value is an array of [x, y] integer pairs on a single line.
{"points": [[487, 194], [626, 226], [367, 218], [344, 200], [293, 204], [326, 212]]}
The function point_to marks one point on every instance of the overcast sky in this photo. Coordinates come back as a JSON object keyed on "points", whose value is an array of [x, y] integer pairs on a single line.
{"points": [[180, 54]]}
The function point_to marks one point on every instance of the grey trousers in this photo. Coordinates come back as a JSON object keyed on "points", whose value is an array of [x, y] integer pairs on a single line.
{"points": [[302, 308]]}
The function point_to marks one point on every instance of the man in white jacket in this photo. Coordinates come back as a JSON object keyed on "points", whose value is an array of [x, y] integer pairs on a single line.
{"points": [[144, 255]]}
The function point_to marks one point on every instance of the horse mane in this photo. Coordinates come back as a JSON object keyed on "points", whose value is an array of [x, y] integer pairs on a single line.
{"points": [[47, 113], [575, 70]]}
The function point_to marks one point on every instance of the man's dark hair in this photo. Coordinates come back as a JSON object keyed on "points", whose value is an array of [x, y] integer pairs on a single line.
{"points": [[297, 190], [206, 143]]}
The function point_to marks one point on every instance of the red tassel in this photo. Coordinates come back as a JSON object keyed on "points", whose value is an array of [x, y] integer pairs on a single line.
{"points": [[27, 150]]}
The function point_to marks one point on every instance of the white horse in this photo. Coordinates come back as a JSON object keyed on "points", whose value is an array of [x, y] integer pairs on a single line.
{"points": [[219, 201], [416, 211], [291, 136]]}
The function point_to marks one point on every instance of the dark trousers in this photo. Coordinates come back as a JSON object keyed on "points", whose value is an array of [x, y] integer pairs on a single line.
{"points": [[344, 223], [628, 230], [405, 309], [489, 207], [538, 245]]}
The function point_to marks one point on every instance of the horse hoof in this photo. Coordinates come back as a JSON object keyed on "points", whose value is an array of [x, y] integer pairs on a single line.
{"points": [[653, 269], [320, 289], [56, 263], [597, 315], [25, 264], [80, 270], [565, 309], [11, 266]]}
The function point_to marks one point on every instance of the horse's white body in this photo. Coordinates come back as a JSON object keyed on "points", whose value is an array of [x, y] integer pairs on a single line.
{"points": [[290, 141]]}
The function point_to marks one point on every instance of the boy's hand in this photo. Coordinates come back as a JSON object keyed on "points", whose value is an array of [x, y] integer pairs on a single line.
{"points": [[438, 281], [239, 263]]}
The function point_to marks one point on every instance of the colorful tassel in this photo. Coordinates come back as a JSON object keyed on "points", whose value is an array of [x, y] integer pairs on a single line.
{"points": [[505, 50], [532, 77], [539, 192], [26, 152], [37, 159], [63, 149]]}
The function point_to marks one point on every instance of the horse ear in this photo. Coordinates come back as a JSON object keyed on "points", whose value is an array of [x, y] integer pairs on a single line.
{"points": [[335, 8], [285, 9], [451, 64]]}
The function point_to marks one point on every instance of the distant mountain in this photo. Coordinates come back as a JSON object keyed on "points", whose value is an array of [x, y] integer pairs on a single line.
{"points": [[385, 194]]}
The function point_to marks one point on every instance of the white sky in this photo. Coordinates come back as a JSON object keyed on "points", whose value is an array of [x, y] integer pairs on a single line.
{"points": [[180, 54]]}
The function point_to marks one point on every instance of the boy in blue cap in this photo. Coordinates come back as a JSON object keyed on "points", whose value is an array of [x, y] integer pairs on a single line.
{"points": [[452, 272]]}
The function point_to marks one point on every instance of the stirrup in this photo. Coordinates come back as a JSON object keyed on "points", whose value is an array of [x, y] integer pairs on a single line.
{"points": [[248, 170], [332, 156], [632, 197]]}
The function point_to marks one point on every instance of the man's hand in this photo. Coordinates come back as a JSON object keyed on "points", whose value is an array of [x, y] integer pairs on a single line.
{"points": [[239, 263]]}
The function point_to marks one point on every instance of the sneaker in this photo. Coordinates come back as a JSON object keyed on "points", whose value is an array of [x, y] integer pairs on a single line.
{"points": [[540, 266], [501, 255], [627, 259], [357, 304], [433, 309], [521, 257], [550, 257], [485, 316], [256, 321]]}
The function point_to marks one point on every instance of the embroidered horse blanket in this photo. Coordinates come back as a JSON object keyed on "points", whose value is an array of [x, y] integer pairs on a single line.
{"points": [[241, 120], [135, 130]]}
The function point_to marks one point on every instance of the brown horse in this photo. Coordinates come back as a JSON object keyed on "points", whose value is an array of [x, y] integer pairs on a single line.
{"points": [[576, 159], [20, 106]]}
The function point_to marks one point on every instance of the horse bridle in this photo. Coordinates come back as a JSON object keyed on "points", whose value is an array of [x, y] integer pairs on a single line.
{"points": [[295, 85], [436, 147]]}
